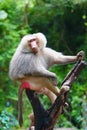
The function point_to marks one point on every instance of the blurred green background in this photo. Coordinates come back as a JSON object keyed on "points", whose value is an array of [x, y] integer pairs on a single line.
{"points": [[64, 22]]}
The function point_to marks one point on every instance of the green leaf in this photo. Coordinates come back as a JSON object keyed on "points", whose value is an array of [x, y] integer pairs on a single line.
{"points": [[84, 16]]}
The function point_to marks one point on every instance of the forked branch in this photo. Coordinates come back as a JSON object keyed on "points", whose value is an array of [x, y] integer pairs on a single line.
{"points": [[46, 119]]}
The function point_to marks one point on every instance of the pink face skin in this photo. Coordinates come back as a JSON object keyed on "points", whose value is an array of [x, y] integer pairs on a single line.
{"points": [[33, 44]]}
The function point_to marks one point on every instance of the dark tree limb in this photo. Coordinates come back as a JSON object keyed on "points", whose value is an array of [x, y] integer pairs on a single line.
{"points": [[39, 112], [46, 119], [56, 108]]}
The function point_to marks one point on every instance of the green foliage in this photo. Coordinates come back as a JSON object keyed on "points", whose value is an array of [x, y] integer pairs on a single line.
{"points": [[63, 122], [7, 121]]}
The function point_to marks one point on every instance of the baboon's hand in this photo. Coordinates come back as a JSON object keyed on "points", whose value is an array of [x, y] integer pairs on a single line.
{"points": [[80, 55]]}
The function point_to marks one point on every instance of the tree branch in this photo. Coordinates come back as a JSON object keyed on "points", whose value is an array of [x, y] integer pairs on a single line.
{"points": [[46, 119]]}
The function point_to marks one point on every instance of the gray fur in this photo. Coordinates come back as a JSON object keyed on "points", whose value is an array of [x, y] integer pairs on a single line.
{"points": [[25, 63]]}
